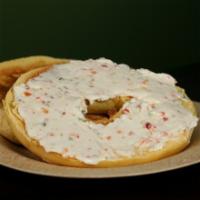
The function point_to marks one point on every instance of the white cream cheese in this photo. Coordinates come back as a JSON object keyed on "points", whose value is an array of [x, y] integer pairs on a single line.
{"points": [[53, 106]]}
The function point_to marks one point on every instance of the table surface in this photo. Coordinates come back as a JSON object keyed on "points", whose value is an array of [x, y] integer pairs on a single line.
{"points": [[178, 184]]}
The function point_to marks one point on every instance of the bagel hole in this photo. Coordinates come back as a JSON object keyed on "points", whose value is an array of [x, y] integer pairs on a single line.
{"points": [[105, 111]]}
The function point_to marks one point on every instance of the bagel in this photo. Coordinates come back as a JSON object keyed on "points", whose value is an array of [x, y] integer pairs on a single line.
{"points": [[9, 72], [96, 113]]}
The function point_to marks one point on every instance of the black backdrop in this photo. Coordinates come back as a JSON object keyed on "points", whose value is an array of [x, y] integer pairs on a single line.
{"points": [[163, 36], [160, 35]]}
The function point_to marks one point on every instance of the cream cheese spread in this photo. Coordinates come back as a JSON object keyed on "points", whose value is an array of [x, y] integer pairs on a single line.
{"points": [[52, 106]]}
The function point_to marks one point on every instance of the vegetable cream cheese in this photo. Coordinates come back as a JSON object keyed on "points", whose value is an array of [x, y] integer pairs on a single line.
{"points": [[52, 106]]}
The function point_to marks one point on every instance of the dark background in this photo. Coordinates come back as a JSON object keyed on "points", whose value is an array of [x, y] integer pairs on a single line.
{"points": [[151, 33], [162, 35]]}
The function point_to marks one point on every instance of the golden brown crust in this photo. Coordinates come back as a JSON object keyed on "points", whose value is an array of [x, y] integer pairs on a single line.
{"points": [[5, 129], [12, 69], [19, 130], [9, 72]]}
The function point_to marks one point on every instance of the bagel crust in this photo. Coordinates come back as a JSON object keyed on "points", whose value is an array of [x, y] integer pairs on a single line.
{"points": [[47, 112], [9, 72]]}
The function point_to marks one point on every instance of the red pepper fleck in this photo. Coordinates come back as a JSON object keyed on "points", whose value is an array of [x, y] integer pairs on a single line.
{"points": [[104, 65], [149, 126], [45, 110], [37, 97], [145, 141], [119, 131], [165, 118], [139, 106], [93, 71], [26, 93], [108, 137], [131, 133], [65, 150], [145, 81], [77, 136], [162, 113], [126, 110], [142, 141]]}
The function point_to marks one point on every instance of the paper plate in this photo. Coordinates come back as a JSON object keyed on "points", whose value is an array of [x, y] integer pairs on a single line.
{"points": [[18, 158]]}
